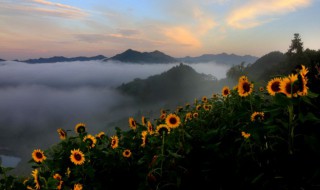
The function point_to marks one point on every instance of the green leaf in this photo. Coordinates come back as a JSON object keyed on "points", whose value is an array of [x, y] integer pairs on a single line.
{"points": [[308, 117], [175, 154]]}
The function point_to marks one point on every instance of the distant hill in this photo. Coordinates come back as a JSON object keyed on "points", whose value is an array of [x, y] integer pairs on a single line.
{"points": [[2, 60], [266, 65], [64, 59], [133, 56], [223, 58], [180, 83]]}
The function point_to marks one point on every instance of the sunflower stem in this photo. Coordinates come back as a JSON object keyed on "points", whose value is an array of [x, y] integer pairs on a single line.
{"points": [[162, 151], [291, 130]]}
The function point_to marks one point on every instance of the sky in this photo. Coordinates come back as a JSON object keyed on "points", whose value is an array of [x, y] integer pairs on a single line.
{"points": [[45, 28]]}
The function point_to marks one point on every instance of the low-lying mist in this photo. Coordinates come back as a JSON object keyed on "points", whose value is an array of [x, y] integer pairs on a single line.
{"points": [[37, 99]]}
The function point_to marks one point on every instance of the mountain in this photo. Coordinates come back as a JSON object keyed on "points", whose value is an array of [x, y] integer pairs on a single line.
{"points": [[178, 84], [266, 65], [64, 59], [222, 58], [2, 60], [143, 57]]}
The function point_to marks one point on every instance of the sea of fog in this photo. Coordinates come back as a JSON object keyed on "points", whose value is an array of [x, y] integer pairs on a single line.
{"points": [[37, 99]]}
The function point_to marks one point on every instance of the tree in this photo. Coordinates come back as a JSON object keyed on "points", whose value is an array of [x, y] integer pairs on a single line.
{"points": [[296, 45]]}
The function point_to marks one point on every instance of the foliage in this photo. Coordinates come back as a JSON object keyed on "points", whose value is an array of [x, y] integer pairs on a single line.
{"points": [[243, 139]]}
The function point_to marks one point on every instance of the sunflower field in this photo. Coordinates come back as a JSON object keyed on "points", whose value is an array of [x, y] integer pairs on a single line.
{"points": [[244, 137]]}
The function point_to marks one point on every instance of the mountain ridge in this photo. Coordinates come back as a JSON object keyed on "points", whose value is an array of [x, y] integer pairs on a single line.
{"points": [[55, 59], [142, 57], [221, 58]]}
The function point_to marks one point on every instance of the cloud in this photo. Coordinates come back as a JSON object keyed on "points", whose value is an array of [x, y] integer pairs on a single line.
{"points": [[182, 36], [258, 12], [43, 8]]}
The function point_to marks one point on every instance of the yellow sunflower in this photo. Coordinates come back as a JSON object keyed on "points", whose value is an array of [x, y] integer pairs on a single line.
{"points": [[62, 134], [100, 135], [198, 107], [188, 116], [173, 121], [245, 87], [143, 121], [204, 99], [114, 142], [150, 128], [288, 87], [245, 135], [207, 107], [132, 123], [38, 156], [302, 84], [273, 86], [261, 89], [35, 175], [257, 116], [90, 140], [77, 157], [163, 116], [80, 128], [144, 138], [195, 115], [77, 186], [162, 129], [214, 96], [225, 91], [59, 178], [126, 153]]}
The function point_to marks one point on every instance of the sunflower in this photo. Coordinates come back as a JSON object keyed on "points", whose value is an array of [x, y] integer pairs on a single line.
{"points": [[150, 128], [126, 153], [80, 128], [214, 96], [38, 156], [288, 87], [302, 84], [245, 135], [245, 87], [198, 107], [188, 116], [90, 140], [77, 157], [173, 121], [243, 78], [144, 138], [35, 175], [207, 107], [261, 89], [162, 111], [59, 178], [273, 86], [204, 99], [225, 91], [100, 135], [132, 123], [114, 142], [163, 116], [62, 134], [257, 116], [143, 121], [195, 115], [77, 186], [162, 129]]}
